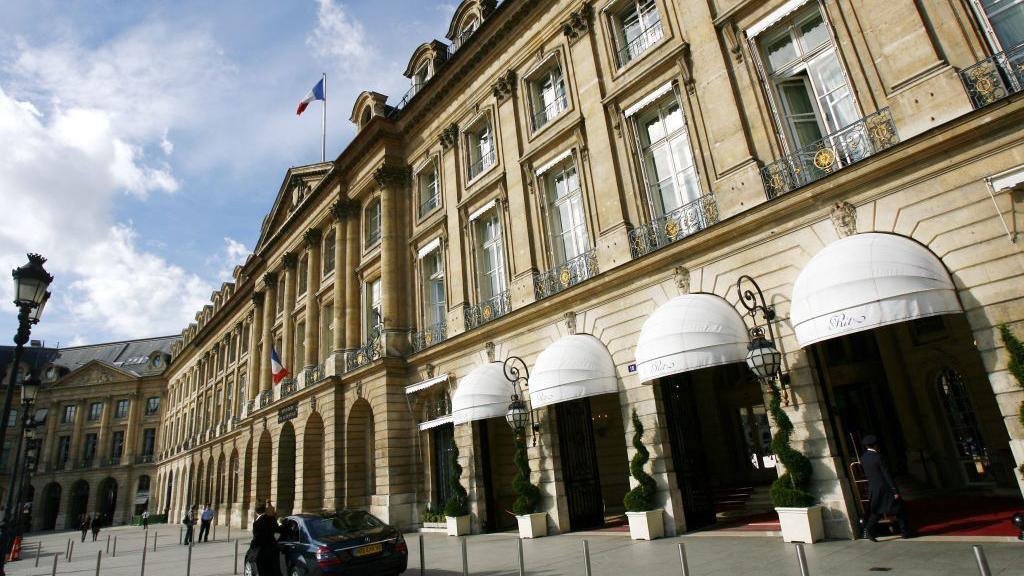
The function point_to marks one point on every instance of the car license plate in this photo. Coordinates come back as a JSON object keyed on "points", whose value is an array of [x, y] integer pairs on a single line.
{"points": [[369, 550]]}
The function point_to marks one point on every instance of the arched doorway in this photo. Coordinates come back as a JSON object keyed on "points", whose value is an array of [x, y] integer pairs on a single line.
{"points": [[209, 485], [232, 487], [169, 492], [313, 464], [246, 484], [196, 498], [286, 470], [78, 504], [106, 500], [222, 480], [142, 491], [51, 506], [360, 466], [264, 453]]}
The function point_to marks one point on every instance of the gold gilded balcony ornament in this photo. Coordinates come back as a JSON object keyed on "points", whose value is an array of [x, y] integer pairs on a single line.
{"points": [[487, 312], [564, 277], [881, 131], [671, 229], [824, 158]]}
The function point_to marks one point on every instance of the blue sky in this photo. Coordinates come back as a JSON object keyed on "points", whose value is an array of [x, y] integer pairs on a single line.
{"points": [[143, 142]]}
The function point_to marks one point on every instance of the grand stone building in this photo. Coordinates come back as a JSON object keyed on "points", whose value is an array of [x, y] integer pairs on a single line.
{"points": [[99, 408], [581, 184]]}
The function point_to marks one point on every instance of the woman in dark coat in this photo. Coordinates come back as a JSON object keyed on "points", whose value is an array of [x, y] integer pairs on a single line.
{"points": [[264, 528], [84, 526]]}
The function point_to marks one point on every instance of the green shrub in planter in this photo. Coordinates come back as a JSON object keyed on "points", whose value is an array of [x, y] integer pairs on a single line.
{"points": [[641, 498], [527, 495], [458, 503], [791, 489], [1016, 365]]}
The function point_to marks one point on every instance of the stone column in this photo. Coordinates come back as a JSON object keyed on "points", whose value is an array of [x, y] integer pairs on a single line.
{"points": [[394, 284], [103, 452], [256, 354], [50, 441], [313, 274], [288, 262], [76, 435], [342, 211], [269, 303], [458, 288], [353, 244], [132, 431]]}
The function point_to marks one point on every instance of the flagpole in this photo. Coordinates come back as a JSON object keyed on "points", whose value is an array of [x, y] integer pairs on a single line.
{"points": [[323, 142]]}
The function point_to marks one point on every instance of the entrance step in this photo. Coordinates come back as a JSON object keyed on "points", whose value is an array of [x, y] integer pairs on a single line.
{"points": [[734, 502]]}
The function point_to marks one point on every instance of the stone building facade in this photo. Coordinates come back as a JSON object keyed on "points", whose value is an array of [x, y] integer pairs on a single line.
{"points": [[570, 182], [99, 408]]}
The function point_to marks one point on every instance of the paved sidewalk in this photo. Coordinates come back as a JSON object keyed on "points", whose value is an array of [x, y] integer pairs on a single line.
{"points": [[495, 554]]}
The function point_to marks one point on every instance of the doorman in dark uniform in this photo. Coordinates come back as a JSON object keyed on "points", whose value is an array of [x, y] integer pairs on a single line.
{"points": [[884, 497], [264, 530]]}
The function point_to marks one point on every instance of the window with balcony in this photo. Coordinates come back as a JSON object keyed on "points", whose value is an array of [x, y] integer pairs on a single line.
{"points": [[228, 405], [122, 409], [481, 153], [567, 227], [68, 415], [373, 317], [637, 27], [95, 411], [303, 280], [152, 405], [63, 451], [326, 331], [117, 446], [328, 252], [89, 449], [371, 223], [433, 288], [492, 278], [148, 445], [246, 334], [300, 344], [280, 296], [428, 189], [806, 78], [1005, 19], [664, 146], [547, 94]]}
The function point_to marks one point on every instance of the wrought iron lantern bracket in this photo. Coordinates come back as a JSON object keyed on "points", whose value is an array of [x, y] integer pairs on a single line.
{"points": [[518, 374], [763, 357]]}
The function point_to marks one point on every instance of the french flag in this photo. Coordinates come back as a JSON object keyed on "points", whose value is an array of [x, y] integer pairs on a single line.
{"points": [[277, 370], [317, 93]]}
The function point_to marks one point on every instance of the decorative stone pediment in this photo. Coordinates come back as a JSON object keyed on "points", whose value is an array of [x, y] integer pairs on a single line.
{"points": [[96, 373], [299, 184]]}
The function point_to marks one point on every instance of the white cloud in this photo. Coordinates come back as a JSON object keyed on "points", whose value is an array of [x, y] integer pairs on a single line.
{"points": [[234, 254], [337, 36]]}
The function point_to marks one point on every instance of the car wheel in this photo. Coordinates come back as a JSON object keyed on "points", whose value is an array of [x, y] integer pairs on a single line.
{"points": [[295, 571], [249, 569]]}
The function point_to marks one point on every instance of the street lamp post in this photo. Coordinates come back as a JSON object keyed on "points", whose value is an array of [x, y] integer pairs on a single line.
{"points": [[31, 282], [29, 389], [519, 415]]}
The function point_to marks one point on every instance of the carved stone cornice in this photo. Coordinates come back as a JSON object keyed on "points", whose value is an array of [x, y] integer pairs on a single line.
{"points": [[345, 208], [487, 7], [289, 260], [312, 237], [578, 24], [389, 176], [505, 85], [449, 136]]}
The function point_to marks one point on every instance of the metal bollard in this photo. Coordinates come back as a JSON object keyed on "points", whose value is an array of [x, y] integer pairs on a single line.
{"points": [[55, 564], [465, 558], [801, 559], [229, 530], [236, 558], [67, 550], [188, 567], [99, 556], [108, 544], [586, 557], [979, 556], [522, 567], [142, 571], [181, 531], [39, 549], [154, 540], [115, 546], [684, 566], [214, 532], [423, 557], [71, 549]]}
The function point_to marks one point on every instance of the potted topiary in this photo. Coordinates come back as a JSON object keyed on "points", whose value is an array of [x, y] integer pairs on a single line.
{"points": [[645, 520], [532, 524], [456, 509], [799, 516]]}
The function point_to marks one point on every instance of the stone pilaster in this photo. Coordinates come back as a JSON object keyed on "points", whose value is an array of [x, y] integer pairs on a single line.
{"points": [[394, 282], [269, 303], [287, 354], [313, 274], [256, 354]]}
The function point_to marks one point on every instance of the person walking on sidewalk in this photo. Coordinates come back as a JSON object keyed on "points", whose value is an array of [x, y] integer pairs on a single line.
{"points": [[883, 495], [189, 521], [145, 519], [83, 525], [204, 528], [97, 522]]}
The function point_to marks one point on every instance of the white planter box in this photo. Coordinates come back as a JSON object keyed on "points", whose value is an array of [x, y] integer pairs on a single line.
{"points": [[801, 524], [457, 525], [533, 525], [646, 525]]}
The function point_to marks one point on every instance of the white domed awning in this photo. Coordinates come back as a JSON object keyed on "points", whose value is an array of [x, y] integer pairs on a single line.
{"points": [[866, 281], [690, 332], [572, 367], [481, 394]]}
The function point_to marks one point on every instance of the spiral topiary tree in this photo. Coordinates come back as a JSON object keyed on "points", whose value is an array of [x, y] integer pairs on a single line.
{"points": [[1016, 365], [791, 488], [458, 503], [641, 498], [527, 495]]}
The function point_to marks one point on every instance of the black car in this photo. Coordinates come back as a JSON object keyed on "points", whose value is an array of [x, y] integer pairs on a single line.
{"points": [[349, 542]]}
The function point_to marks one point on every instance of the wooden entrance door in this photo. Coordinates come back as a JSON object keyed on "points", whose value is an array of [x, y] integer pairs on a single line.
{"points": [[579, 465]]}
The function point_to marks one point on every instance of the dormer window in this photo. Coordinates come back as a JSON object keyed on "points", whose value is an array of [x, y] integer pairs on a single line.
{"points": [[465, 32], [364, 119], [420, 77], [637, 27], [480, 146], [547, 94]]}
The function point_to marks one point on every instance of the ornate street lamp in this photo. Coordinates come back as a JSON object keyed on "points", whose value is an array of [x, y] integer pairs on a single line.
{"points": [[29, 389], [518, 414], [31, 283], [763, 357]]}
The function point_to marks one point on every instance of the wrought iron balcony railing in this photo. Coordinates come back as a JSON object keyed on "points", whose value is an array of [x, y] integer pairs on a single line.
{"points": [[314, 374], [364, 354], [565, 275], [551, 111], [250, 407], [485, 162], [113, 461], [865, 137], [429, 336], [144, 459], [288, 387], [431, 200], [676, 225], [409, 96], [995, 77], [266, 397], [648, 37], [483, 312]]}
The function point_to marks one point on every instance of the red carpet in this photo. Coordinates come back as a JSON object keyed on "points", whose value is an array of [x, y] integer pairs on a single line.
{"points": [[963, 516], [763, 522]]}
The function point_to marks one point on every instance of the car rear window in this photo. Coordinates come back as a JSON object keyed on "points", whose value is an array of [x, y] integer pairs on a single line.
{"points": [[342, 525]]}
